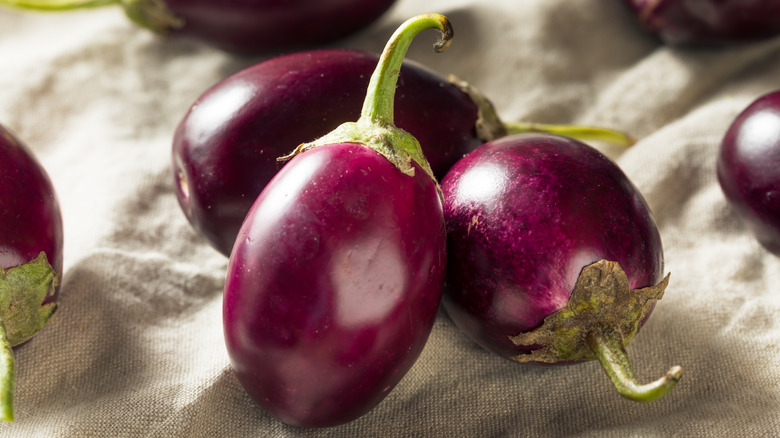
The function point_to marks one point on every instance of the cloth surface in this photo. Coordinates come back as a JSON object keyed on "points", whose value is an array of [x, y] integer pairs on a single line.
{"points": [[136, 349]]}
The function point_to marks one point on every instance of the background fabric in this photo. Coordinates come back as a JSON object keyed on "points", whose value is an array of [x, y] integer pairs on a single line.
{"points": [[136, 349]]}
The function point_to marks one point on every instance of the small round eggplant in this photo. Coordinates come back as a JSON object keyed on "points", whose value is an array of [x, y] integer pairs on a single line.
{"points": [[225, 147], [240, 26], [748, 168], [336, 275], [30, 255], [553, 255], [708, 22]]}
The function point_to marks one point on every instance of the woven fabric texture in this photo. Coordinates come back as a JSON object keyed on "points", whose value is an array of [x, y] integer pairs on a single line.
{"points": [[137, 350]]}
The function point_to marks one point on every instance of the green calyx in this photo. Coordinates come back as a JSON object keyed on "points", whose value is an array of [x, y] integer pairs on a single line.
{"points": [[154, 15], [601, 318], [23, 289], [375, 127], [395, 144], [488, 125]]}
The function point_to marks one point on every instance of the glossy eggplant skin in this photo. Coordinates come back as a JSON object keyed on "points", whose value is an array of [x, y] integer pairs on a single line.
{"points": [[225, 148], [524, 215], [30, 216], [334, 284], [748, 168], [708, 22], [272, 26]]}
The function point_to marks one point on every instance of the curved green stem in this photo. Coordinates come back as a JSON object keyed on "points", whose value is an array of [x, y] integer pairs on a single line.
{"points": [[380, 98], [611, 353], [375, 128], [7, 375], [578, 132], [57, 5]]}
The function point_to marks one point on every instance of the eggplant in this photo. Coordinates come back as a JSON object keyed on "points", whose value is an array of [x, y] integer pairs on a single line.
{"points": [[31, 242], [240, 26], [225, 147], [337, 272], [707, 22], [748, 168], [553, 256]]}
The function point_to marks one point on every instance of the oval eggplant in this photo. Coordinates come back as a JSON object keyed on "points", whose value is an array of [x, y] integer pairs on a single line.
{"points": [[708, 22], [337, 272], [748, 168], [30, 217], [240, 26], [525, 215], [334, 284], [225, 149], [30, 255]]}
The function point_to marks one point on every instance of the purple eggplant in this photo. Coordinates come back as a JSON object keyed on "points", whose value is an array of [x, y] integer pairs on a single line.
{"points": [[225, 147], [748, 168], [336, 275], [30, 255], [553, 255], [240, 26], [708, 22]]}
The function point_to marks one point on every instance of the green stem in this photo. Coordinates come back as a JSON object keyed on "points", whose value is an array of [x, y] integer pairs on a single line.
{"points": [[579, 132], [57, 5], [380, 98], [489, 125], [7, 374], [375, 128], [611, 353]]}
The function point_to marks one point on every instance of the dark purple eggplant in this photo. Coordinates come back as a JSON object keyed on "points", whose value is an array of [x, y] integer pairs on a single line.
{"points": [[749, 168], [225, 147], [336, 275], [708, 22], [240, 26], [30, 255], [553, 256]]}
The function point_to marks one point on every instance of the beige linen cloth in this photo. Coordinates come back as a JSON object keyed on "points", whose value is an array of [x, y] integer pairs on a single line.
{"points": [[136, 349]]}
